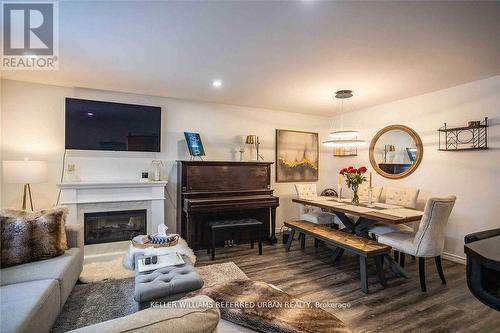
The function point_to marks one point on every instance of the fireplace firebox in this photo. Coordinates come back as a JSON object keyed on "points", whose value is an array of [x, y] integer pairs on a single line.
{"points": [[115, 226]]}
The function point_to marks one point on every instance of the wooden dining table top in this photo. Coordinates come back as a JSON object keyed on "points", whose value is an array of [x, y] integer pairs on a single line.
{"points": [[394, 214]]}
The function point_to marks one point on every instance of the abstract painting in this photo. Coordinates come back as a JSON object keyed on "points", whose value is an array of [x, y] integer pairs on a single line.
{"points": [[297, 156]]}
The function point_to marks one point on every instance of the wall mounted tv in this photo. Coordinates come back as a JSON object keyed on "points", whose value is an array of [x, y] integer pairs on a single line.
{"points": [[95, 125]]}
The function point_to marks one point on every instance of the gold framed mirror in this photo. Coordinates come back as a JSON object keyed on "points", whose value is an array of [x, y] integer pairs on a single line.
{"points": [[396, 151]]}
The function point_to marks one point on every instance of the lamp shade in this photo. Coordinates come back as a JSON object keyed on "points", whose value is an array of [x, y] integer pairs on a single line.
{"points": [[251, 139], [24, 172]]}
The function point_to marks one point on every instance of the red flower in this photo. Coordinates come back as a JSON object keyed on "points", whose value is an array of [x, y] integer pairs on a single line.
{"points": [[353, 171], [342, 171], [362, 170]]}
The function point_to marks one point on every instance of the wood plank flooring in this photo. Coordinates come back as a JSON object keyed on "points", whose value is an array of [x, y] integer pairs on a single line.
{"points": [[310, 275]]}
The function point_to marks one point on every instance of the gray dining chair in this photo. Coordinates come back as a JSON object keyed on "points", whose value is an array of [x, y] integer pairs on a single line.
{"points": [[312, 214], [428, 241], [363, 193], [309, 213], [399, 196]]}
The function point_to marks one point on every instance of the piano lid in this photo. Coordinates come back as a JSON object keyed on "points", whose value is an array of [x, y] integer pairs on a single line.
{"points": [[216, 176]]}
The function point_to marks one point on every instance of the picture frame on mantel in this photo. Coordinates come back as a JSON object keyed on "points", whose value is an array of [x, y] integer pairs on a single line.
{"points": [[297, 156]]}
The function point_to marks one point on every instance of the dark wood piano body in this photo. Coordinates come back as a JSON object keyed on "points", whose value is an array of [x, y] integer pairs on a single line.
{"points": [[215, 190]]}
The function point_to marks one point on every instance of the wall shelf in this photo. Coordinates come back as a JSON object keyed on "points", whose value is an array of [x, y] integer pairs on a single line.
{"points": [[464, 138]]}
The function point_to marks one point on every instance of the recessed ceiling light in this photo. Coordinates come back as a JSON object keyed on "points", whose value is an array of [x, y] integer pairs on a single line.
{"points": [[90, 114], [217, 83]]}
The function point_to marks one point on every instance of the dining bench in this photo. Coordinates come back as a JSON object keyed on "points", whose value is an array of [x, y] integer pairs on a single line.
{"points": [[363, 247]]}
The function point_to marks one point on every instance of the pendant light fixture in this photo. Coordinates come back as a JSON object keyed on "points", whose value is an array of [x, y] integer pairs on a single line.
{"points": [[343, 138]]}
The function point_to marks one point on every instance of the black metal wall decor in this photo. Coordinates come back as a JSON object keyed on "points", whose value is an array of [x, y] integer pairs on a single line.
{"points": [[472, 137]]}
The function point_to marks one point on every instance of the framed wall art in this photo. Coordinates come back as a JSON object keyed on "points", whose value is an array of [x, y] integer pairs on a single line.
{"points": [[297, 156]]}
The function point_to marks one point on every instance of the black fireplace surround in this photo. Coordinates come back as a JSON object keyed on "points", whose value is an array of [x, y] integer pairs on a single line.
{"points": [[115, 226]]}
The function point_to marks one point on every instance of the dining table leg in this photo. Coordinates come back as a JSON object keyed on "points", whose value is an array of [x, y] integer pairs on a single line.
{"points": [[394, 266], [349, 224], [337, 253], [360, 229]]}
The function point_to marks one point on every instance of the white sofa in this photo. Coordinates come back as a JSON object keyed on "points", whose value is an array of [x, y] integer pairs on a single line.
{"points": [[194, 315], [33, 294]]}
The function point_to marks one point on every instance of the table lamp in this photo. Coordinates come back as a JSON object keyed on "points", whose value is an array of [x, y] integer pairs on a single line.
{"points": [[25, 172], [387, 149], [254, 140]]}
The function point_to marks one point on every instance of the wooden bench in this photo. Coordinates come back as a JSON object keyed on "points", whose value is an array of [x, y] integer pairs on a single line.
{"points": [[363, 247]]}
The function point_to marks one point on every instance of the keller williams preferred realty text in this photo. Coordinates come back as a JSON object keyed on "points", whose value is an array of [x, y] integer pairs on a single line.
{"points": [[249, 305]]}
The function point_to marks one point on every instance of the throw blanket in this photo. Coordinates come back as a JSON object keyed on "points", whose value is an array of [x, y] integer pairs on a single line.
{"points": [[181, 247], [270, 319]]}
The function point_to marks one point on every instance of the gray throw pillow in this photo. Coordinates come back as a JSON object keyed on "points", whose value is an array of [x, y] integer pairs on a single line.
{"points": [[30, 236]]}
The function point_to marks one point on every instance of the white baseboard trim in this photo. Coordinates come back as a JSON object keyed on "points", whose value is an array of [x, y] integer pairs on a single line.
{"points": [[453, 257]]}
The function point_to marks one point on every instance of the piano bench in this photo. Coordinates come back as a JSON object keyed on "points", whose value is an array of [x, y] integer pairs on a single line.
{"points": [[224, 227]]}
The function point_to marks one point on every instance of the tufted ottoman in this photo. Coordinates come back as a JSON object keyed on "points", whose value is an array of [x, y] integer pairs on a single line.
{"points": [[166, 284]]}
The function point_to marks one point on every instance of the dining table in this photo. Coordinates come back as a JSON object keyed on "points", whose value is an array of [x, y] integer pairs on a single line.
{"points": [[357, 219]]}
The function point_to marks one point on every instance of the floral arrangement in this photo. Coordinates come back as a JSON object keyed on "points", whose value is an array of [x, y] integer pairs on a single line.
{"points": [[354, 177]]}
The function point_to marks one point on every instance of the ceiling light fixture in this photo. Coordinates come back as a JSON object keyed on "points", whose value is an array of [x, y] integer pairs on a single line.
{"points": [[217, 83], [343, 138]]}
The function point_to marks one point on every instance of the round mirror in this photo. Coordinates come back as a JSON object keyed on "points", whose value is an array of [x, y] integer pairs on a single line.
{"points": [[396, 151]]}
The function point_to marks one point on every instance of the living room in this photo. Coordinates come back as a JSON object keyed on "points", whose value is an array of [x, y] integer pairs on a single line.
{"points": [[355, 143]]}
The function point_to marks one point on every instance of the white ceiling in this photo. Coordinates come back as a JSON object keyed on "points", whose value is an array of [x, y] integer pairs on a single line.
{"points": [[284, 55]]}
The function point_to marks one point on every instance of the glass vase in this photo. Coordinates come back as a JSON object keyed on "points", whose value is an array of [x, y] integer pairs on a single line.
{"points": [[355, 198]]}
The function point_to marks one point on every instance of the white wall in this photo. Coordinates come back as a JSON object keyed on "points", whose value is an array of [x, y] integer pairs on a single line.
{"points": [[473, 176], [33, 127]]}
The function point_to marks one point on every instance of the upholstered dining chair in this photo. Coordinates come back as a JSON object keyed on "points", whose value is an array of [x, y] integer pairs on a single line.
{"points": [[363, 193], [309, 213], [428, 241], [399, 196], [402, 196], [312, 214]]}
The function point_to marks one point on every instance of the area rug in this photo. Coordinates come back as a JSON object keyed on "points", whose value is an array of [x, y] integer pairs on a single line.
{"points": [[219, 273], [111, 298], [276, 316], [104, 271]]}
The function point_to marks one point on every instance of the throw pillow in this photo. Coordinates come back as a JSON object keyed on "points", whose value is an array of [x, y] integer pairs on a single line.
{"points": [[31, 236]]}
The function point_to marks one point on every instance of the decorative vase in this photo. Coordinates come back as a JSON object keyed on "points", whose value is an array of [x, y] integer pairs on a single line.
{"points": [[355, 198]]}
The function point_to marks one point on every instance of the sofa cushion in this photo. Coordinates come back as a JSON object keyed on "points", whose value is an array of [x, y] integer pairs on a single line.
{"points": [[64, 269], [193, 315], [29, 306], [28, 236]]}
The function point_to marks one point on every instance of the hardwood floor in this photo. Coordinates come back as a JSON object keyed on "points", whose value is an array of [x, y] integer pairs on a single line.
{"points": [[311, 276]]}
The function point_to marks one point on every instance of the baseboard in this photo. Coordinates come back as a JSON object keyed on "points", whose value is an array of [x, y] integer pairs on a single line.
{"points": [[453, 257]]}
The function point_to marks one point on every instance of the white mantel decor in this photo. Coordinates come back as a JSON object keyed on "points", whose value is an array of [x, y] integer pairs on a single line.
{"points": [[105, 196]]}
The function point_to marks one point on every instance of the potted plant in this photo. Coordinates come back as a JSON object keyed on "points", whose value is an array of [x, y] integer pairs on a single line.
{"points": [[354, 177]]}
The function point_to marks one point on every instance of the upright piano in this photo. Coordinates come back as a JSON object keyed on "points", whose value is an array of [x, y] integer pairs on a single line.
{"points": [[218, 190]]}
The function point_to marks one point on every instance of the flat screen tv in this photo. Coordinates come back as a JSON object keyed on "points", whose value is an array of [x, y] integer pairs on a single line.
{"points": [[96, 125]]}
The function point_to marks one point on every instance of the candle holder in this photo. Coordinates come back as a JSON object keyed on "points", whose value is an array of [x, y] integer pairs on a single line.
{"points": [[339, 192], [370, 194]]}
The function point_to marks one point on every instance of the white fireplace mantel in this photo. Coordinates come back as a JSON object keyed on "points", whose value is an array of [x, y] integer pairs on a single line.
{"points": [[83, 197]]}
